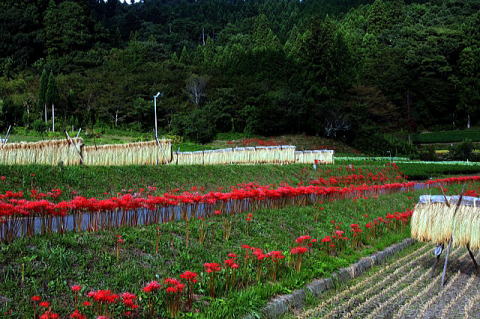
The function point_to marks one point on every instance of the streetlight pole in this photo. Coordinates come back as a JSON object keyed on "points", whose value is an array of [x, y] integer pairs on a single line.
{"points": [[159, 94]]}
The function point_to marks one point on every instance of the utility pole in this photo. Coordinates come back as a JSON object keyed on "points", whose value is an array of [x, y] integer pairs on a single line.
{"points": [[159, 94]]}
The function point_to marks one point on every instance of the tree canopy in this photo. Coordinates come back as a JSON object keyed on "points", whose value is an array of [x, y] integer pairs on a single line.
{"points": [[335, 68]]}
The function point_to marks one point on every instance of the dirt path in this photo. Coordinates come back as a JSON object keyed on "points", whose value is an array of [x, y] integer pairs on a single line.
{"points": [[407, 288]]}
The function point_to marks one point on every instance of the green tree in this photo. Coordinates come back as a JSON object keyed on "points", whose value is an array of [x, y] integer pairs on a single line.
{"points": [[326, 59], [51, 96], [42, 93], [469, 83], [65, 28]]}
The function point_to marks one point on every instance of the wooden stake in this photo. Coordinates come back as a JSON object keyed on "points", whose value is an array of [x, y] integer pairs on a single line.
{"points": [[451, 238], [446, 261], [473, 258], [438, 254]]}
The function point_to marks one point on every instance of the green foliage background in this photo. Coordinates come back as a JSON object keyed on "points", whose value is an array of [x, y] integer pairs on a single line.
{"points": [[332, 68]]}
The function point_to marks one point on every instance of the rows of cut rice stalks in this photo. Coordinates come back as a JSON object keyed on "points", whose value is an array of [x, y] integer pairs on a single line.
{"points": [[140, 153], [242, 155], [320, 156], [73, 152], [50, 152]]}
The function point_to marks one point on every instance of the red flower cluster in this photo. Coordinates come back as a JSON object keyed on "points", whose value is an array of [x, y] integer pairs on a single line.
{"points": [[212, 267], [152, 286], [301, 239], [11, 205], [300, 250], [275, 255], [103, 296], [189, 276], [173, 286], [231, 263], [77, 315], [128, 299]]}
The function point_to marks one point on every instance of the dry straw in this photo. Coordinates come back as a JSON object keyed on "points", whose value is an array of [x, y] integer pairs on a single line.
{"points": [[49, 152], [309, 157], [241, 155], [140, 153], [72, 152], [435, 221]]}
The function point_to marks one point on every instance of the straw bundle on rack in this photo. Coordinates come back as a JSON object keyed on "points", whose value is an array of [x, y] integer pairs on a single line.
{"points": [[309, 157], [189, 158], [436, 221], [140, 153], [284, 154], [48, 152], [217, 157]]}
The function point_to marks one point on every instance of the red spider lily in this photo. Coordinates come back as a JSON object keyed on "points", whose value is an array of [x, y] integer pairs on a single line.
{"points": [[301, 239], [275, 256], [128, 299], [49, 315], [247, 252], [257, 252], [35, 299], [298, 252], [217, 212], [231, 263], [173, 289], [120, 241], [151, 287], [44, 304], [77, 315], [103, 296], [212, 268], [76, 288], [231, 274], [265, 194], [191, 278]]}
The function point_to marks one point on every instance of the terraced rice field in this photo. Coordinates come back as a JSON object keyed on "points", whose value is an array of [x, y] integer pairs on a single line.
{"points": [[406, 288]]}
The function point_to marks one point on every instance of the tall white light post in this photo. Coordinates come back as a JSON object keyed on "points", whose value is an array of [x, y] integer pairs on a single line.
{"points": [[159, 94]]}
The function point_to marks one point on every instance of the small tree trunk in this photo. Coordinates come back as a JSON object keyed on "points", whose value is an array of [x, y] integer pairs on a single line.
{"points": [[53, 117], [468, 121], [46, 119]]}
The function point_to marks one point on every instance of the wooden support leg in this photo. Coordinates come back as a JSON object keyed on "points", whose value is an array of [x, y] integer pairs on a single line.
{"points": [[473, 259], [438, 251], [446, 261]]}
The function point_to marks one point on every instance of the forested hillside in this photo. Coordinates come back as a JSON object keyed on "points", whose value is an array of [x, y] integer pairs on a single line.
{"points": [[337, 68]]}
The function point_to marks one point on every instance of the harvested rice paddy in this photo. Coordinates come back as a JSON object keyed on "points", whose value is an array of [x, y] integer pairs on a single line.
{"points": [[405, 287]]}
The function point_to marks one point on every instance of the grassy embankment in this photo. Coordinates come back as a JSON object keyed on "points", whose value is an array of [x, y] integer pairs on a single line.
{"points": [[95, 181], [52, 263]]}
